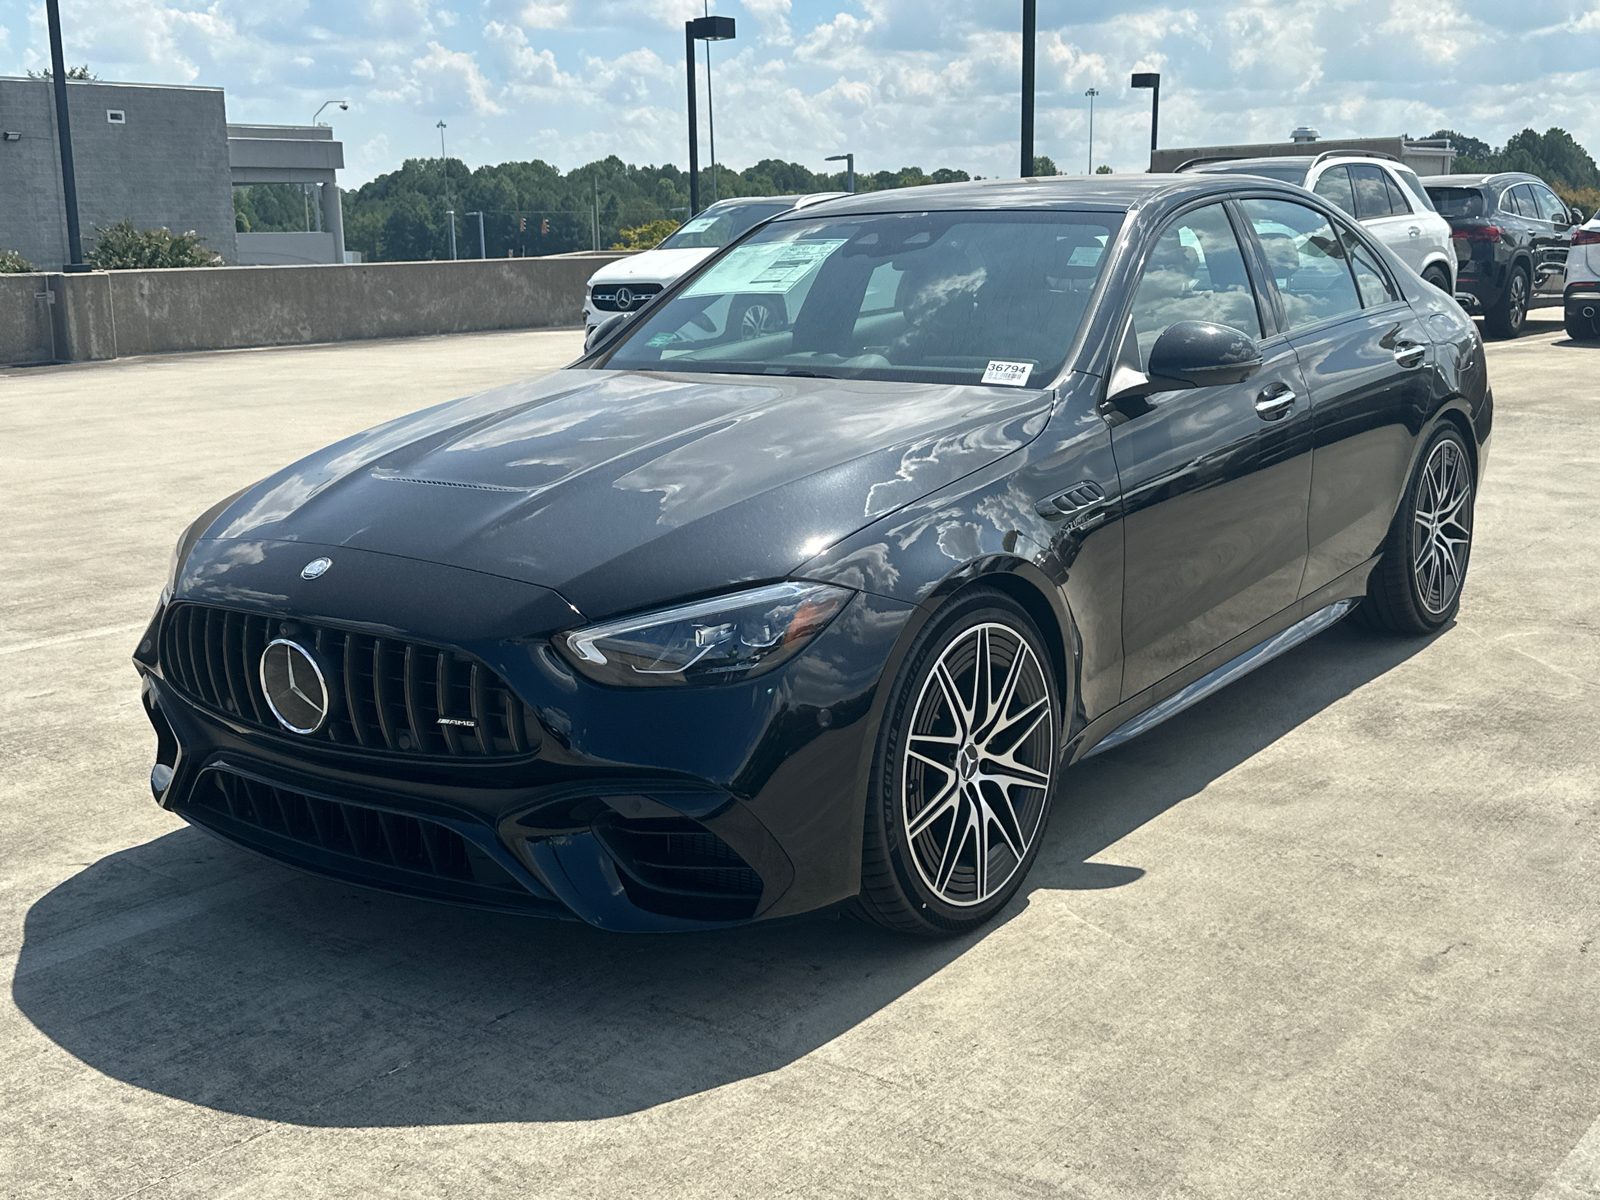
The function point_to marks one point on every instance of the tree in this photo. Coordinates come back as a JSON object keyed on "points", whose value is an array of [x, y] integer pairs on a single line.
{"points": [[1554, 156], [1043, 164], [12, 263], [645, 237], [1102, 169], [72, 73], [122, 247], [1466, 147]]}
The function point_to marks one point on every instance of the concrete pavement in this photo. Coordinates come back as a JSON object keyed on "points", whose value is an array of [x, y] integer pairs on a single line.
{"points": [[1333, 932]]}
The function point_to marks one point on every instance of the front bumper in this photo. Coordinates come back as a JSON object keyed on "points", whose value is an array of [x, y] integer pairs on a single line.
{"points": [[635, 809]]}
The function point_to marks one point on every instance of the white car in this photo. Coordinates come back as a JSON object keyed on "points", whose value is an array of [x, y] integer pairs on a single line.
{"points": [[623, 286], [1382, 193], [1583, 283]]}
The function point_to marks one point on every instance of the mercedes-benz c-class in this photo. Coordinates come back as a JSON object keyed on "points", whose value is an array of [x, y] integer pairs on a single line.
{"points": [[723, 624]]}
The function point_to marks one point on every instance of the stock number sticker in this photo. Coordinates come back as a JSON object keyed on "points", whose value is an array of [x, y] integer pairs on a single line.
{"points": [[1008, 374]]}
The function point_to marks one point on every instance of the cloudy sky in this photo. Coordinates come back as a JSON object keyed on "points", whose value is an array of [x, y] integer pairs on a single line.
{"points": [[899, 82]]}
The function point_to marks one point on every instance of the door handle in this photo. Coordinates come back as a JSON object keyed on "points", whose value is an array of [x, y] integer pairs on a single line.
{"points": [[1274, 401], [1416, 232], [1409, 354]]}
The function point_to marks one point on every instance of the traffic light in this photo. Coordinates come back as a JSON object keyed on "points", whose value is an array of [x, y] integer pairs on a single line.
{"points": [[522, 227], [544, 226]]}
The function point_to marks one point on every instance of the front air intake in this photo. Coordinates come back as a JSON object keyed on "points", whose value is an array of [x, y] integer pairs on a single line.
{"points": [[678, 868]]}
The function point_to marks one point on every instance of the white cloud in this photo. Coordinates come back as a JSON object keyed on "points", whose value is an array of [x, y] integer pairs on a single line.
{"points": [[1438, 28], [773, 18], [546, 14]]}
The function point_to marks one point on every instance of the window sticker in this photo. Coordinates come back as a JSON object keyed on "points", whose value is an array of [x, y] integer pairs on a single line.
{"points": [[698, 225], [1008, 374], [662, 339], [772, 268]]}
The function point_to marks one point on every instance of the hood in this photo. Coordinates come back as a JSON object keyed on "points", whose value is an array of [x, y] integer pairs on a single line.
{"points": [[621, 490], [653, 266]]}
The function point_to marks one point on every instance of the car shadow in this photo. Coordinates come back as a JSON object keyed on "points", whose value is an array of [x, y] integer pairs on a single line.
{"points": [[193, 970]]}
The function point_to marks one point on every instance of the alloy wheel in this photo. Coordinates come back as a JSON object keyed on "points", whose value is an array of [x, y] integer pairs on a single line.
{"points": [[758, 320], [1517, 305], [977, 765], [1442, 527]]}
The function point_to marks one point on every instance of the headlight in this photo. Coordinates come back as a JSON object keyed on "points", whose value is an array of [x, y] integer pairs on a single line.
{"points": [[729, 637]]}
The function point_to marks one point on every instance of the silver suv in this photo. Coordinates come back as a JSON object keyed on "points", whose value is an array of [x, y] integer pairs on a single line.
{"points": [[1381, 192]]}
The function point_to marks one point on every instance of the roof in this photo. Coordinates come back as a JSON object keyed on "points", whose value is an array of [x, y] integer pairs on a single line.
{"points": [[1478, 178], [1083, 192]]}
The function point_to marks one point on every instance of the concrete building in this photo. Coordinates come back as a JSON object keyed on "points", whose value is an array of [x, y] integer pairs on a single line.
{"points": [[157, 156], [1425, 156]]}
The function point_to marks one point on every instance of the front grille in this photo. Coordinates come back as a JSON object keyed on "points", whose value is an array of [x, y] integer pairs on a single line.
{"points": [[606, 297], [678, 868], [355, 842], [387, 694]]}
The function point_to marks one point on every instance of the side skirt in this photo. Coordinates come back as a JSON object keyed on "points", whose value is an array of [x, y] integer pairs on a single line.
{"points": [[1301, 621]]}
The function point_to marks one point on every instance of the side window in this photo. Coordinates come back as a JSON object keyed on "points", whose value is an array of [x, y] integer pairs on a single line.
{"points": [[1398, 204], [1307, 261], [1195, 273], [1371, 281], [1522, 195], [1414, 186], [1333, 185], [1372, 193], [1550, 206]]}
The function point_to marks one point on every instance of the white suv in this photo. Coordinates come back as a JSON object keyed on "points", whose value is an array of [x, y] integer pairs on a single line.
{"points": [[1583, 283], [625, 285], [1381, 192]]}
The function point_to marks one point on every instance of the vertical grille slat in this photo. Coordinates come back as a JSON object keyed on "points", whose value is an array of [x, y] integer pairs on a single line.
{"points": [[388, 694]]}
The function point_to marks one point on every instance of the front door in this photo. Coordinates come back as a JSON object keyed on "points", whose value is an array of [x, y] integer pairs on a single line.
{"points": [[1214, 480], [1552, 239]]}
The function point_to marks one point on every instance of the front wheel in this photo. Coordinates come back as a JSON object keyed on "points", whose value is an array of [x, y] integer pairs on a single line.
{"points": [[1416, 587], [964, 772]]}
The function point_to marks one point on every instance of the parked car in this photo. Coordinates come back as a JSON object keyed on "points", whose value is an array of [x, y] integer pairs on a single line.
{"points": [[1381, 192], [627, 284], [719, 625], [1583, 283], [1511, 234]]}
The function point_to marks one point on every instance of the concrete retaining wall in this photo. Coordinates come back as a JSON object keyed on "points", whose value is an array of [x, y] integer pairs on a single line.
{"points": [[119, 313]]}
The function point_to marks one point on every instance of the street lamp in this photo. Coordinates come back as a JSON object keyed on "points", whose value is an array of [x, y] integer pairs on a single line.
{"points": [[1151, 80], [1030, 21], [702, 29], [69, 177], [1091, 93], [849, 161], [483, 251], [344, 106], [451, 213], [444, 172]]}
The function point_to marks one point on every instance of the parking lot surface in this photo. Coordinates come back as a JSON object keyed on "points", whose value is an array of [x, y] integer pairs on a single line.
{"points": [[1334, 932]]}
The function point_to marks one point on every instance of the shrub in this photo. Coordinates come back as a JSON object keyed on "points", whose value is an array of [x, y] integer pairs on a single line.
{"points": [[646, 236], [124, 248], [12, 263]]}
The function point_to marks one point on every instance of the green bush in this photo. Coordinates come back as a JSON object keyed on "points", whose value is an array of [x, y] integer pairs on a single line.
{"points": [[12, 263], [124, 248], [646, 236]]}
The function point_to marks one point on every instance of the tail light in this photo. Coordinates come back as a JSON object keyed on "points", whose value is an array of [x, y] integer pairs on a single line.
{"points": [[1478, 233], [1586, 237]]}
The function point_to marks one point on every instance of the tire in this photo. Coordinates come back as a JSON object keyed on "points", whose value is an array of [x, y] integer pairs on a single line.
{"points": [[1416, 587], [1509, 314], [1440, 278], [963, 777], [757, 316], [1581, 328]]}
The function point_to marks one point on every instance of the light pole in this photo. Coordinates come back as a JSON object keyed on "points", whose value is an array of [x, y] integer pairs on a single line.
{"points": [[1151, 80], [344, 106], [849, 161], [444, 173], [1030, 21], [451, 213], [483, 251], [69, 177], [1091, 93], [701, 29]]}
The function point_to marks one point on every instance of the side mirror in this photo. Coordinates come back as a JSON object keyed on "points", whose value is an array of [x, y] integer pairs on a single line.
{"points": [[1190, 354], [1577, 215], [604, 330]]}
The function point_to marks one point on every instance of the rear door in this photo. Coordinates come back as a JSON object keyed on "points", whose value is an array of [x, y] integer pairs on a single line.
{"points": [[1552, 240], [1384, 209], [1364, 354], [1215, 480]]}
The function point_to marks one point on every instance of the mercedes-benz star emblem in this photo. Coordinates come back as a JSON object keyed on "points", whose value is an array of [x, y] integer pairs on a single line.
{"points": [[316, 568], [624, 299], [294, 685]]}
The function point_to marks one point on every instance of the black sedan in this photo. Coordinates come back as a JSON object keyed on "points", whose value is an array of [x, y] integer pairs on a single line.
{"points": [[712, 627], [1512, 236]]}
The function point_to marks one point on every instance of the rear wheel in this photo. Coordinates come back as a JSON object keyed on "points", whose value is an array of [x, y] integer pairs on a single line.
{"points": [[1416, 587], [964, 773], [1439, 277], [1510, 313]]}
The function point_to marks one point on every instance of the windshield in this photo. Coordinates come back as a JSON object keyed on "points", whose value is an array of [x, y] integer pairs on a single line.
{"points": [[1290, 172], [1457, 201], [715, 229], [944, 297]]}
